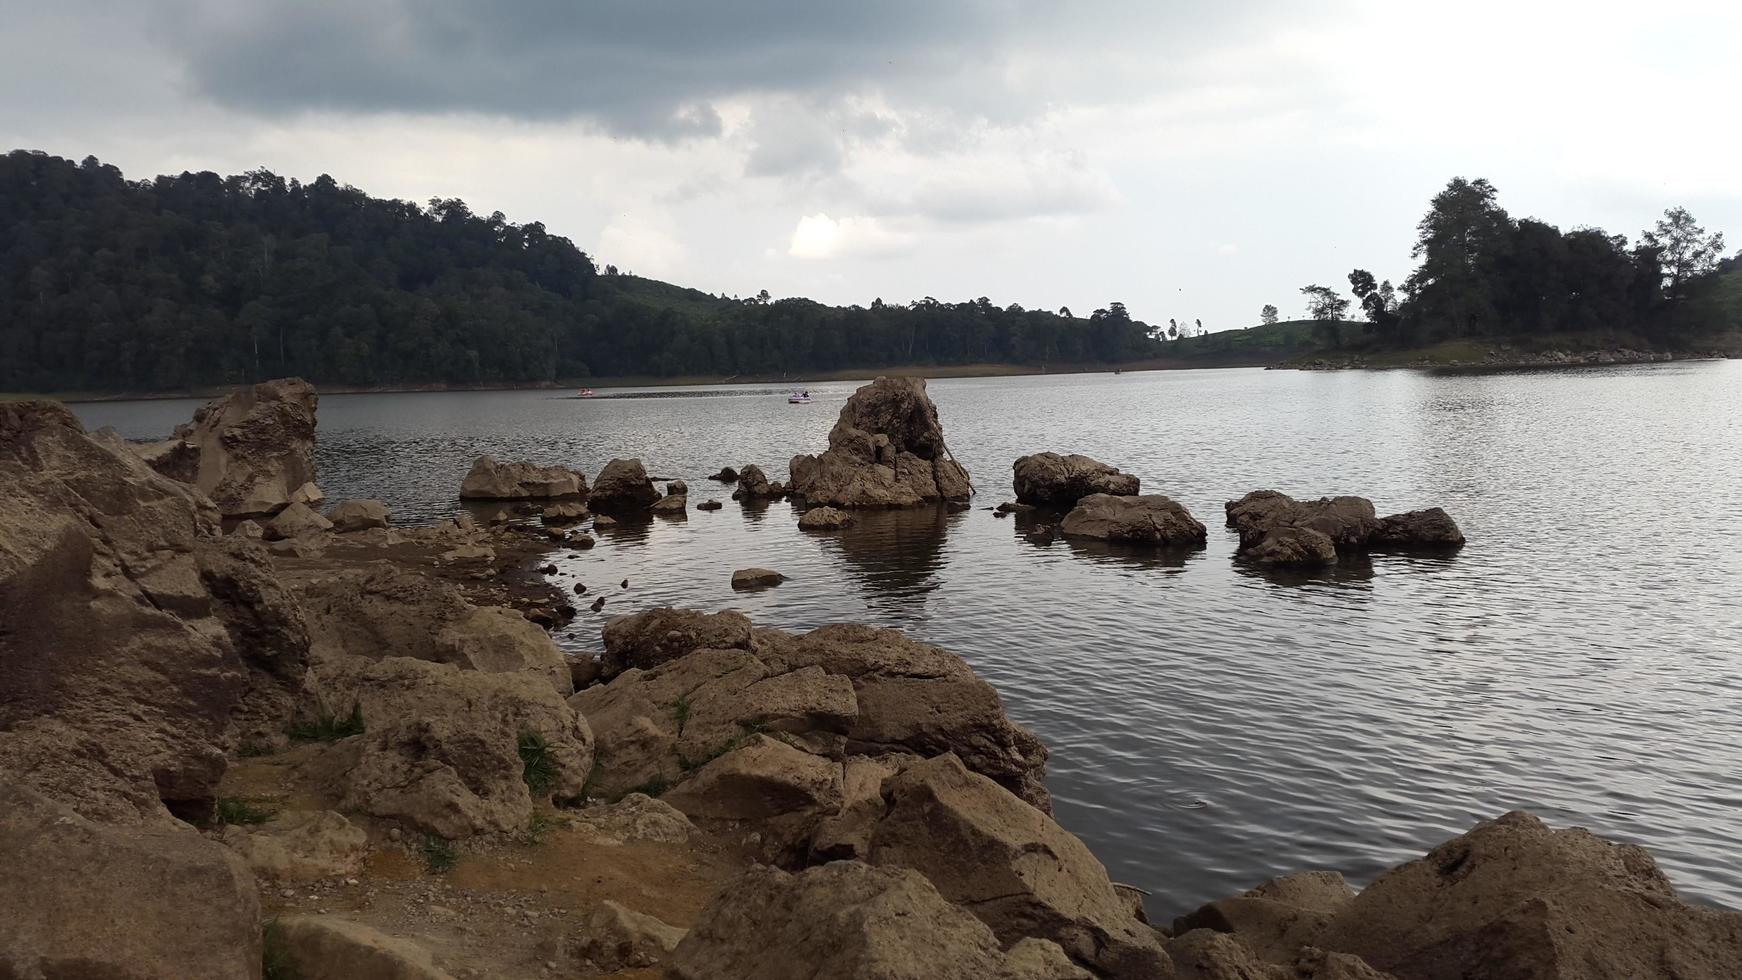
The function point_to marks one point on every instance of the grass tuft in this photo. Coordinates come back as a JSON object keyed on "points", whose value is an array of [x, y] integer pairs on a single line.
{"points": [[439, 854], [275, 959], [328, 727], [536, 765], [538, 827], [231, 810], [681, 711]]}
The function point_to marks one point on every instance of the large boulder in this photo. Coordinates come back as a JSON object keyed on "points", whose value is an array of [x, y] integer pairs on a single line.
{"points": [[492, 480], [78, 899], [1513, 898], [391, 612], [452, 751], [1051, 480], [848, 920], [616, 938], [295, 521], [1012, 866], [762, 778], [256, 448], [1292, 546], [359, 515], [326, 947], [754, 485], [301, 845], [886, 450], [622, 487], [1276, 919], [657, 636], [1430, 528], [1151, 519], [134, 634]]}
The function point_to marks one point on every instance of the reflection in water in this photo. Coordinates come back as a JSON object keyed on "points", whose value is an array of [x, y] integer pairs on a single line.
{"points": [[1348, 570], [1586, 668]]}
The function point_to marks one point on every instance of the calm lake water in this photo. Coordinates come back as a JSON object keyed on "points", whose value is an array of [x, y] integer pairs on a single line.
{"points": [[1210, 726]]}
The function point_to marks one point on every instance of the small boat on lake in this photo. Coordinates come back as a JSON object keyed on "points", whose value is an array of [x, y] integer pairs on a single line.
{"points": [[799, 398], [584, 393]]}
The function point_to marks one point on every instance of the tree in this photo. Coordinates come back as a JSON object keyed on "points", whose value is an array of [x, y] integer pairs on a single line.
{"points": [[1378, 302], [1323, 303], [1269, 314], [1457, 242], [1685, 251]]}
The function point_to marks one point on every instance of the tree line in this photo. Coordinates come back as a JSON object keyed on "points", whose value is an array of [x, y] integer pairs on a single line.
{"points": [[197, 280], [1482, 274]]}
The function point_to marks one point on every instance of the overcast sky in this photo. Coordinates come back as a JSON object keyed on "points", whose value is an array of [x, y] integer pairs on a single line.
{"points": [[1191, 160]]}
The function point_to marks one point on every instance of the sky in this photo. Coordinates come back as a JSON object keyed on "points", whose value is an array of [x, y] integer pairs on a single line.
{"points": [[1192, 160]]}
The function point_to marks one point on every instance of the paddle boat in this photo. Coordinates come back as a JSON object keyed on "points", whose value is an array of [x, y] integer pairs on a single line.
{"points": [[799, 398], [584, 393]]}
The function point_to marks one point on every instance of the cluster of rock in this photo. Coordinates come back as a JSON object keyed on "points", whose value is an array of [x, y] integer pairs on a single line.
{"points": [[251, 452], [1276, 529], [754, 485], [492, 480], [1102, 503], [1058, 482], [886, 450]]}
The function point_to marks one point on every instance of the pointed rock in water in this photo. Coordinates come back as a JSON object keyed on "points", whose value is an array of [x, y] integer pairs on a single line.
{"points": [[580, 588], [623, 486], [625, 583], [254, 449], [886, 450]]}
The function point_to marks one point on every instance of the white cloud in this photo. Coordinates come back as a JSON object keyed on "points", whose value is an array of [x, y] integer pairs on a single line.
{"points": [[818, 236]]}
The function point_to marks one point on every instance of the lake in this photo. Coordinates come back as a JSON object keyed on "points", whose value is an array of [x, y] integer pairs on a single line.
{"points": [[1212, 726]]}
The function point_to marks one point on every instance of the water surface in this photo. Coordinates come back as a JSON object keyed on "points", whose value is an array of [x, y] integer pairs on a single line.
{"points": [[1211, 726]]}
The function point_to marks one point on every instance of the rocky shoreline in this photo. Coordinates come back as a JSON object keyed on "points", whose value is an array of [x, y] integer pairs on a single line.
{"points": [[322, 746], [1504, 357]]}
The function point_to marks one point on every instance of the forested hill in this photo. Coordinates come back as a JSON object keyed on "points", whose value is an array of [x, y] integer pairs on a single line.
{"points": [[198, 280]]}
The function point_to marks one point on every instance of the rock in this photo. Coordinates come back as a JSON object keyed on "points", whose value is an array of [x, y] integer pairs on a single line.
{"points": [[173, 457], [1278, 918], [660, 635], [726, 475], [393, 612], [568, 512], [581, 540], [825, 519], [1513, 898], [1151, 519], [623, 487], [886, 450], [1289, 545], [1011, 866], [358, 515], [583, 671], [1206, 955], [1051, 480], [79, 899], [754, 485], [762, 778], [491, 480], [1014, 507], [677, 488], [309, 495], [1431, 528], [842, 919], [294, 521], [249, 529], [756, 578], [557, 535], [1348, 521], [603, 521], [637, 816], [326, 947], [615, 938], [148, 641], [255, 447], [441, 748], [709, 505], [917, 698], [671, 506], [300, 845]]}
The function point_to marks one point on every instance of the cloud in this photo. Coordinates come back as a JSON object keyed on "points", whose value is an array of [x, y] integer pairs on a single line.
{"points": [[1005, 189], [641, 244], [818, 236]]}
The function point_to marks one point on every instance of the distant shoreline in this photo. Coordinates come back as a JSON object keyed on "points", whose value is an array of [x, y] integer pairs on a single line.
{"points": [[632, 381]]}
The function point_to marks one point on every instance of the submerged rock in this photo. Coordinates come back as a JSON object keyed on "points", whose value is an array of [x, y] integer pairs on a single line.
{"points": [[623, 486], [886, 450], [825, 519], [756, 578], [709, 505], [492, 480], [1428, 528], [1151, 519], [671, 506], [726, 475], [1051, 480], [255, 448], [565, 512]]}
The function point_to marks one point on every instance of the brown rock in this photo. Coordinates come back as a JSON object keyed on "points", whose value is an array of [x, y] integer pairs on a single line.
{"points": [[1431, 528], [441, 746], [326, 947], [762, 778], [1290, 545], [623, 487], [636, 816], [359, 515], [726, 475], [709, 505], [671, 506], [301, 845], [842, 919], [659, 635], [616, 938], [1011, 866], [677, 488], [295, 521], [566, 512], [825, 519], [1151, 519], [78, 899], [1051, 480], [1515, 899], [886, 450], [255, 447], [249, 529], [492, 480], [756, 578], [753, 484]]}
